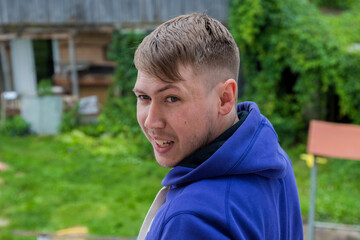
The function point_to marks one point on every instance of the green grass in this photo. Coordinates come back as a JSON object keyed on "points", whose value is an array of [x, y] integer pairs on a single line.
{"points": [[108, 184], [338, 188], [52, 184]]}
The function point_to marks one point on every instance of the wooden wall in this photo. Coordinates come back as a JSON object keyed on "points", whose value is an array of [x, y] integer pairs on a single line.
{"points": [[50, 12]]}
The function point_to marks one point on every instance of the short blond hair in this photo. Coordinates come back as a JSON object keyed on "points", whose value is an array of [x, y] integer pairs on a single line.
{"points": [[194, 40]]}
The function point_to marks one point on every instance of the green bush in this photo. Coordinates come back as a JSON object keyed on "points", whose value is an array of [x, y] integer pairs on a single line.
{"points": [[336, 4], [119, 113], [44, 87], [70, 119], [294, 64], [119, 116], [122, 51], [15, 126]]}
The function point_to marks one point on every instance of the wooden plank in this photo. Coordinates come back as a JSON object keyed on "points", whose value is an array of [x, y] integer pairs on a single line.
{"points": [[3, 12], [334, 140], [171, 9], [13, 11], [189, 6], [57, 11], [119, 11], [147, 9], [105, 11], [6, 37], [134, 8], [39, 11]]}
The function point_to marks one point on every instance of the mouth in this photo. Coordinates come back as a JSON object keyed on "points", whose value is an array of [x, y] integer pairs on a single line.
{"points": [[163, 143], [162, 146]]}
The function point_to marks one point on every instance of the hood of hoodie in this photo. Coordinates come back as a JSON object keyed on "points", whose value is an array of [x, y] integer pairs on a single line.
{"points": [[252, 149]]}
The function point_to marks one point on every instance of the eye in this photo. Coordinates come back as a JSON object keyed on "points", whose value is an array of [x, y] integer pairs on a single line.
{"points": [[144, 97], [172, 99]]}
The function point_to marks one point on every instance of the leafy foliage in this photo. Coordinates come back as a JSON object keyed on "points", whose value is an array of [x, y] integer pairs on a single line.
{"points": [[15, 126], [294, 64], [119, 115], [122, 51], [70, 119], [336, 4], [44, 87]]}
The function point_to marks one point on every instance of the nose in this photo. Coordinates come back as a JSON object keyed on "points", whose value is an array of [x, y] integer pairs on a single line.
{"points": [[154, 118]]}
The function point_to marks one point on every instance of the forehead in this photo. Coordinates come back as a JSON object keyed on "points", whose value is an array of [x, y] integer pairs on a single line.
{"points": [[191, 83]]}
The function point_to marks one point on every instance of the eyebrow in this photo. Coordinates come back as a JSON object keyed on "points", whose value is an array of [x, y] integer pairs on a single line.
{"points": [[136, 90]]}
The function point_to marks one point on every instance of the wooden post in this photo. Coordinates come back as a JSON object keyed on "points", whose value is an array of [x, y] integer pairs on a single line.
{"points": [[5, 67], [56, 55], [74, 76]]}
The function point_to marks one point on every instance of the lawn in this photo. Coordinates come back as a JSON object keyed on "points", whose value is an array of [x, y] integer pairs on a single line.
{"points": [[108, 184], [57, 182]]}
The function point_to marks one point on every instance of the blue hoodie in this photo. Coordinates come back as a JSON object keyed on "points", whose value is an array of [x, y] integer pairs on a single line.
{"points": [[245, 190]]}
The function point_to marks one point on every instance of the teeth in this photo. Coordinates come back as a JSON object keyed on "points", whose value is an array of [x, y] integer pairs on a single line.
{"points": [[163, 143]]}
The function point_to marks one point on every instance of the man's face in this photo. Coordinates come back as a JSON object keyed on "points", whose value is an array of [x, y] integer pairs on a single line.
{"points": [[177, 118]]}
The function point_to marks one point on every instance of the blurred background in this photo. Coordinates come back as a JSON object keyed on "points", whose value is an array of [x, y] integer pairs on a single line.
{"points": [[71, 151]]}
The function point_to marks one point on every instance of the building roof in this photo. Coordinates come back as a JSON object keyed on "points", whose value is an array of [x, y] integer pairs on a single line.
{"points": [[118, 13]]}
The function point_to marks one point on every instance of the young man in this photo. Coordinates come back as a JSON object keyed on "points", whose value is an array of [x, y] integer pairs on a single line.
{"points": [[230, 178]]}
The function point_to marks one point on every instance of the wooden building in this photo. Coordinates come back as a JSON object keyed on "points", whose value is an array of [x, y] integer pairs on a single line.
{"points": [[72, 37]]}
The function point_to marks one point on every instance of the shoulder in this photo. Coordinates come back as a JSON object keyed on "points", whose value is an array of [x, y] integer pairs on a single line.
{"points": [[214, 197], [205, 199], [218, 207], [199, 196], [196, 211]]}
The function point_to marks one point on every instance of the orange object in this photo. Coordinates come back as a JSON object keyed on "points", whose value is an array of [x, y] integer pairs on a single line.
{"points": [[336, 140], [72, 233]]}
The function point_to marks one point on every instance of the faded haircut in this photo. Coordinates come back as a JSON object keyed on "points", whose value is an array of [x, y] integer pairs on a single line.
{"points": [[194, 40]]}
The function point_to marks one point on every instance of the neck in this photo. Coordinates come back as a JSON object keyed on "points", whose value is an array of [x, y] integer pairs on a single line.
{"points": [[235, 118], [229, 120]]}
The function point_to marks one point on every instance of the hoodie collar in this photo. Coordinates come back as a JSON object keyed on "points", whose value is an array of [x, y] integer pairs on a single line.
{"points": [[202, 154]]}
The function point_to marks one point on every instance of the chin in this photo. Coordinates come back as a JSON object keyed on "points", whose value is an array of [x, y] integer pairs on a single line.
{"points": [[165, 162]]}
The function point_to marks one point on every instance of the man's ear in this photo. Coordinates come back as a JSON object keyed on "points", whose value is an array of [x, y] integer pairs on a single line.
{"points": [[227, 96]]}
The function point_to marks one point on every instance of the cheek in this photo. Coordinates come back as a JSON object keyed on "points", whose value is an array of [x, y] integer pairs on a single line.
{"points": [[189, 123], [200, 122], [141, 115]]}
